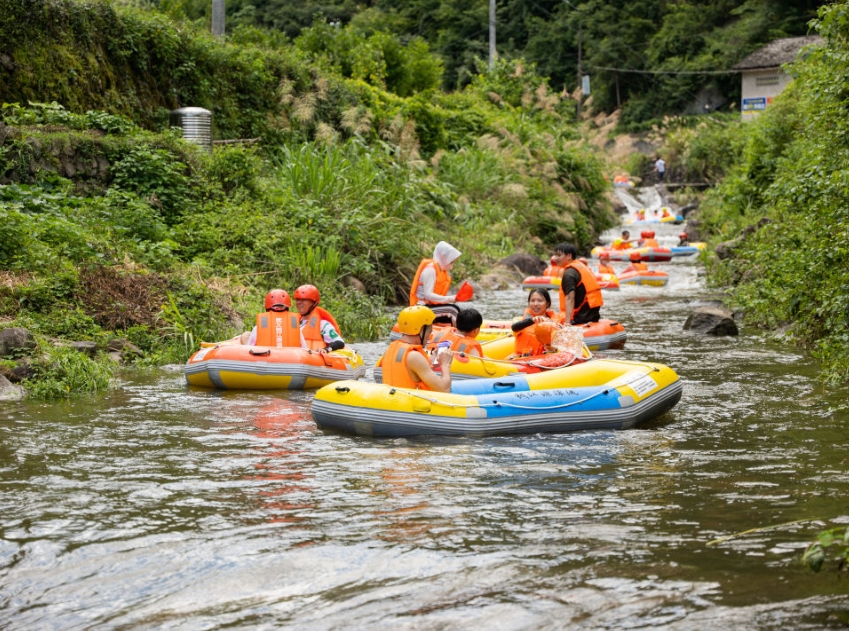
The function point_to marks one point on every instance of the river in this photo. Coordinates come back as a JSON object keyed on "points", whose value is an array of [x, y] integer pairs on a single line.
{"points": [[157, 506]]}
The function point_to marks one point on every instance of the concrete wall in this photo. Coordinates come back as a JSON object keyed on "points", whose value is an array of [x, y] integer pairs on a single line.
{"points": [[759, 88]]}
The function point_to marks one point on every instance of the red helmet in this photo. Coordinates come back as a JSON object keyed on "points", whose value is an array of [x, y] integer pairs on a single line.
{"points": [[277, 298], [647, 234], [683, 235], [310, 292]]}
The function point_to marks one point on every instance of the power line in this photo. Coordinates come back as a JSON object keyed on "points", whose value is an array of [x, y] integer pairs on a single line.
{"points": [[669, 72]]}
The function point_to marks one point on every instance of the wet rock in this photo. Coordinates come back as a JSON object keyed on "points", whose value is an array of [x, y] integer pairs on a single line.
{"points": [[15, 341], [527, 264], [115, 356], [124, 347], [9, 391], [711, 321], [89, 348], [353, 281], [500, 278], [24, 369]]}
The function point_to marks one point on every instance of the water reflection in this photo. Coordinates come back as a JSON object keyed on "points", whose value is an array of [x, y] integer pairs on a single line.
{"points": [[159, 506]]}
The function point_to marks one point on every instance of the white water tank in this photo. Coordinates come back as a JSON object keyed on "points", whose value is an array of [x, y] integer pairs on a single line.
{"points": [[196, 124]]}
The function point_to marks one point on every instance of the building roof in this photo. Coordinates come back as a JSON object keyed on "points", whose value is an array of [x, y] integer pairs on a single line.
{"points": [[777, 53]]}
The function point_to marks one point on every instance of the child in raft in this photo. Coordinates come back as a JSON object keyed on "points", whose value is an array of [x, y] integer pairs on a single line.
{"points": [[462, 338]]}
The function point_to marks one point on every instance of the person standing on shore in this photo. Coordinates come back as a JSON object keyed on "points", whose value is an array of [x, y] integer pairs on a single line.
{"points": [[660, 167]]}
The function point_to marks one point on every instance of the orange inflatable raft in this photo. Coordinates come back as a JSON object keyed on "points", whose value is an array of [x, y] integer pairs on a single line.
{"points": [[229, 365], [653, 278]]}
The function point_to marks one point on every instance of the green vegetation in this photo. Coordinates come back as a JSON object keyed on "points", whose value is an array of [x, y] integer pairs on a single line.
{"points": [[785, 192], [643, 55], [112, 226]]}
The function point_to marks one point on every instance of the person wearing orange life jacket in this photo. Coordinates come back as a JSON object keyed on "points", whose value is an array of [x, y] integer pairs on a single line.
{"points": [[636, 265], [647, 239], [580, 294], [539, 306], [604, 266], [533, 339], [405, 363], [276, 327], [538, 312], [461, 338], [624, 242], [432, 282], [319, 328]]}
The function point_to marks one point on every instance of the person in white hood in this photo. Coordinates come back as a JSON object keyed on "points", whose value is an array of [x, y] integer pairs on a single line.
{"points": [[432, 283]]}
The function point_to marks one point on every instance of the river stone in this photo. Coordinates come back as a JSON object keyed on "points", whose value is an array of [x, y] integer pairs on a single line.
{"points": [[500, 278], [9, 391], [711, 321], [24, 369], [527, 264], [15, 340], [123, 346], [89, 348]]}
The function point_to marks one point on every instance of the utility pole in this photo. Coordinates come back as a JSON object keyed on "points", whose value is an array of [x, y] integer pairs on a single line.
{"points": [[491, 34], [218, 17], [580, 73]]}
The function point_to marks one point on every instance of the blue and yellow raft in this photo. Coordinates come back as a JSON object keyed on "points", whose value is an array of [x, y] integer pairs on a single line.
{"points": [[598, 394]]}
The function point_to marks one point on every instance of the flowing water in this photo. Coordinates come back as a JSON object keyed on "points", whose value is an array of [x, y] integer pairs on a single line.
{"points": [[163, 507]]}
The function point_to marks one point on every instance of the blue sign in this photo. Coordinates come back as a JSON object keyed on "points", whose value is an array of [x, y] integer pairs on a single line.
{"points": [[758, 103]]}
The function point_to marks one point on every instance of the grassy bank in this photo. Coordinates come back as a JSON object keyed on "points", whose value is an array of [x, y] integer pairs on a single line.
{"points": [[112, 227]]}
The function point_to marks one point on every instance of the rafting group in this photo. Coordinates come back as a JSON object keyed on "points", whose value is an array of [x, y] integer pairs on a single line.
{"points": [[447, 370]]}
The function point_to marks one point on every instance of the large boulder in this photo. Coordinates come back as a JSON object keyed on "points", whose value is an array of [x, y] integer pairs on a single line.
{"points": [[15, 341], [711, 321], [9, 391], [527, 264]]}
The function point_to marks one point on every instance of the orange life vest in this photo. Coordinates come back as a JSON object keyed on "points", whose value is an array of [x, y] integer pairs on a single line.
{"points": [[459, 342], [619, 244], [527, 344], [278, 329], [554, 270], [605, 269], [548, 313], [312, 329], [442, 285], [650, 243], [394, 364], [592, 291]]}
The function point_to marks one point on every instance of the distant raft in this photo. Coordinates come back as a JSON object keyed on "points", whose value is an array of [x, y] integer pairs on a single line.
{"points": [[598, 394], [650, 277], [687, 250], [605, 281], [239, 367], [644, 254]]}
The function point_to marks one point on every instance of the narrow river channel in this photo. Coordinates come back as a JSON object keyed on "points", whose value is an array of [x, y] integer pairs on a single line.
{"points": [[163, 507]]}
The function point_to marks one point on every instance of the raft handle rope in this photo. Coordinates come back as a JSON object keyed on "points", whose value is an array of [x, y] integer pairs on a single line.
{"points": [[603, 391], [267, 351]]}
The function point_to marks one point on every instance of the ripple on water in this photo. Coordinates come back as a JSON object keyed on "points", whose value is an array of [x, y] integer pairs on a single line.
{"points": [[160, 506]]}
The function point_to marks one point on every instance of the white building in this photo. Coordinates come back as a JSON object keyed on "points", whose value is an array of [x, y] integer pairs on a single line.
{"points": [[763, 75]]}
